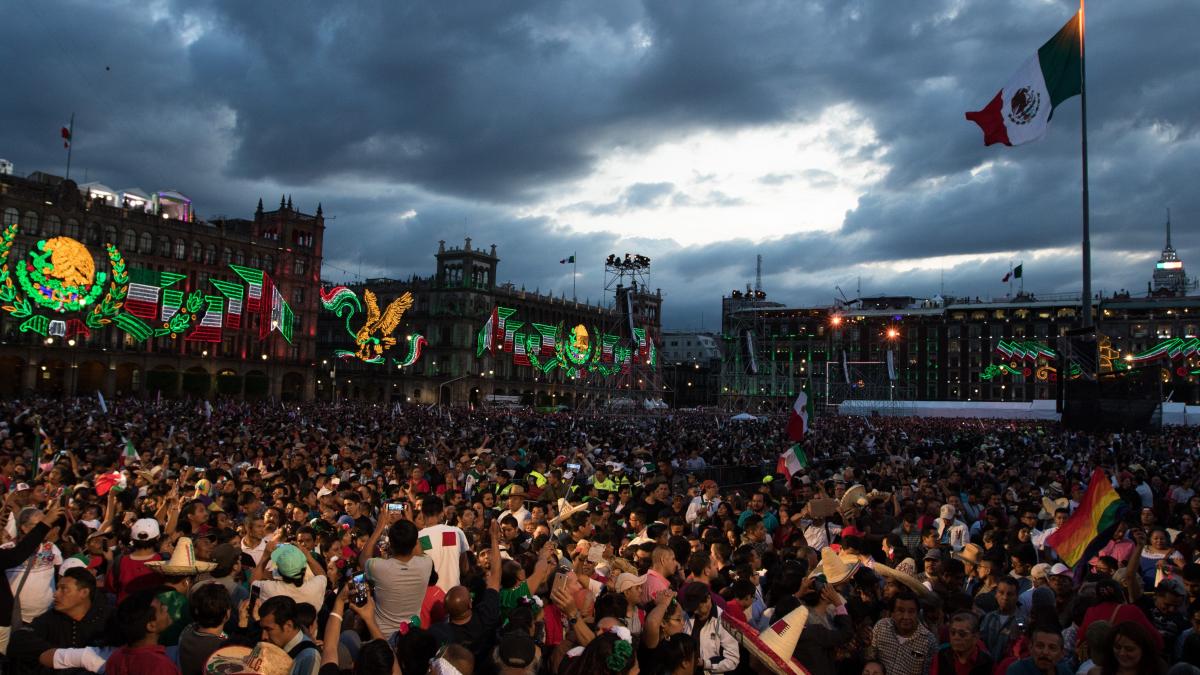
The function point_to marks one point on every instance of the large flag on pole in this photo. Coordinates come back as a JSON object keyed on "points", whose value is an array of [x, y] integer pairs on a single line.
{"points": [[1021, 111], [1092, 524], [798, 421]]}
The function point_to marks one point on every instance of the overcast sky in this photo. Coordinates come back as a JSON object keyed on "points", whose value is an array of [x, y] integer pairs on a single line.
{"points": [[827, 136]]}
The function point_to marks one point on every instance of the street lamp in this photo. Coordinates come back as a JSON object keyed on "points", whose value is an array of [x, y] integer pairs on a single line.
{"points": [[451, 380]]}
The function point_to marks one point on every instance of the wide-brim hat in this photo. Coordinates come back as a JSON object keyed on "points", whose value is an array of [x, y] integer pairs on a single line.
{"points": [[773, 648], [264, 659], [835, 569], [971, 553], [517, 490], [902, 577], [183, 561], [853, 501], [566, 510], [1049, 506]]}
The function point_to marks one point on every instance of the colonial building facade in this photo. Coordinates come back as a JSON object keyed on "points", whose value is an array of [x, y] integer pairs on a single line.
{"points": [[130, 293], [490, 343]]}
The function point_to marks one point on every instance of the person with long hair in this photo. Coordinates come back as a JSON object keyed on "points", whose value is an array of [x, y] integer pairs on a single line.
{"points": [[1129, 650], [608, 654]]}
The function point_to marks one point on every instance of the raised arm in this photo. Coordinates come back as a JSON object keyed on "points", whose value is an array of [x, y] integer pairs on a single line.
{"points": [[494, 560]]}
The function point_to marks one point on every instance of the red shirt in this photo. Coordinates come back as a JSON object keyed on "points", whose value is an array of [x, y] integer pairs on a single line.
{"points": [[130, 576], [150, 660]]}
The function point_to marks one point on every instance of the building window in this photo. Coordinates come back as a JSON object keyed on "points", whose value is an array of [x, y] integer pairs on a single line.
{"points": [[180, 249], [11, 217], [298, 297], [210, 255], [239, 258], [146, 243], [53, 226], [254, 260], [91, 233], [29, 224], [72, 230], [268, 264], [197, 252], [129, 242], [226, 255], [298, 266], [110, 234]]}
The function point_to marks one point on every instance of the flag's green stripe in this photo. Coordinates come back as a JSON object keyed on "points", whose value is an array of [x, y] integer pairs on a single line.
{"points": [[1060, 61]]}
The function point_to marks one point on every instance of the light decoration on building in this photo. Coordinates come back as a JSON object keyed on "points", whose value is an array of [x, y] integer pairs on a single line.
{"points": [[61, 276], [376, 335], [577, 350], [1024, 358]]}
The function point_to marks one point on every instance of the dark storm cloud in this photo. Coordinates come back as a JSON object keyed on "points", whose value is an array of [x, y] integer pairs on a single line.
{"points": [[467, 112]]}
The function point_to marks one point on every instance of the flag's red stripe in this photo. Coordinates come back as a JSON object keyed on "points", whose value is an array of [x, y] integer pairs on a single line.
{"points": [[991, 121]]}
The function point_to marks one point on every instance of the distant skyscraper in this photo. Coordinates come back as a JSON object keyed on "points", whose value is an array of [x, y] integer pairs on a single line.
{"points": [[1169, 274]]}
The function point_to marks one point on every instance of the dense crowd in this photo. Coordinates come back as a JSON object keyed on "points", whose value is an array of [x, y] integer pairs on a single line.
{"points": [[295, 539]]}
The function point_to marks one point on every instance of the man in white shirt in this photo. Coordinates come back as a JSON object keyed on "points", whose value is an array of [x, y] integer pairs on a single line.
{"points": [[444, 544], [254, 542], [516, 506], [704, 506]]}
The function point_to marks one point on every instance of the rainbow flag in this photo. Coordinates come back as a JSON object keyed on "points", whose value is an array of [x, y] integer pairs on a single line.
{"points": [[1092, 524]]}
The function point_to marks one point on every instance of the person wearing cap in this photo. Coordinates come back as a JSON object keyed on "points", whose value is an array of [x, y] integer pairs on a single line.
{"points": [[1039, 577], [951, 531], [630, 586], [129, 573], [299, 575], [516, 506], [516, 654], [705, 505]]}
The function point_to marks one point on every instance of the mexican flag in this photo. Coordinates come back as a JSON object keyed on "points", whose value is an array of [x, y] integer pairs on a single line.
{"points": [[1021, 111], [792, 461], [798, 421], [129, 454]]}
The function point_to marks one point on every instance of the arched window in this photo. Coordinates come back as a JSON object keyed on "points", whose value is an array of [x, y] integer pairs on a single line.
{"points": [[164, 246], [239, 258], [210, 255], [29, 224], [180, 249], [146, 243], [53, 226], [226, 255], [11, 216], [110, 234], [197, 252], [129, 243], [254, 260]]}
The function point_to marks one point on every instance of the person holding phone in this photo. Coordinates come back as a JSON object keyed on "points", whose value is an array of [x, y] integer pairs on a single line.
{"points": [[400, 580]]}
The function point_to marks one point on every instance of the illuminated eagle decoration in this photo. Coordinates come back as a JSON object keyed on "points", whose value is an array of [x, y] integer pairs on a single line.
{"points": [[375, 337]]}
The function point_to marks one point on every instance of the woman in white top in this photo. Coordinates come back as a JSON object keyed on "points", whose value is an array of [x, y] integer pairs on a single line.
{"points": [[297, 575], [38, 592]]}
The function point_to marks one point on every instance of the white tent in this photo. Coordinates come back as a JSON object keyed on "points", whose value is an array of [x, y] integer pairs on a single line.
{"points": [[743, 417]]}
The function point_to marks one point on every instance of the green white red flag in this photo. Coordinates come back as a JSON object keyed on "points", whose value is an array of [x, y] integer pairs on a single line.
{"points": [[1021, 111]]}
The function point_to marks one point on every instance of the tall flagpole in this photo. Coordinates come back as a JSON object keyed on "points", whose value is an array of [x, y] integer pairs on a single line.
{"points": [[1087, 236], [574, 274], [70, 144]]}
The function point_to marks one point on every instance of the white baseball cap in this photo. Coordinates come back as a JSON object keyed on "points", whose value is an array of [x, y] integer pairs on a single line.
{"points": [[145, 529]]}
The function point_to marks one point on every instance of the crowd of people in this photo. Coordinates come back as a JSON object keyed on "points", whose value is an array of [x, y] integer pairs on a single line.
{"points": [[304, 538]]}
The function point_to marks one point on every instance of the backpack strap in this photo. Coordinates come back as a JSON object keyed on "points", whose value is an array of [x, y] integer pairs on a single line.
{"points": [[299, 648]]}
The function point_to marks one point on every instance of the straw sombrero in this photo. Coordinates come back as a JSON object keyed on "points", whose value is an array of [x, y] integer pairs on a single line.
{"points": [[854, 500], [183, 561], [971, 553], [773, 648], [835, 569], [902, 577], [264, 659], [566, 510]]}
